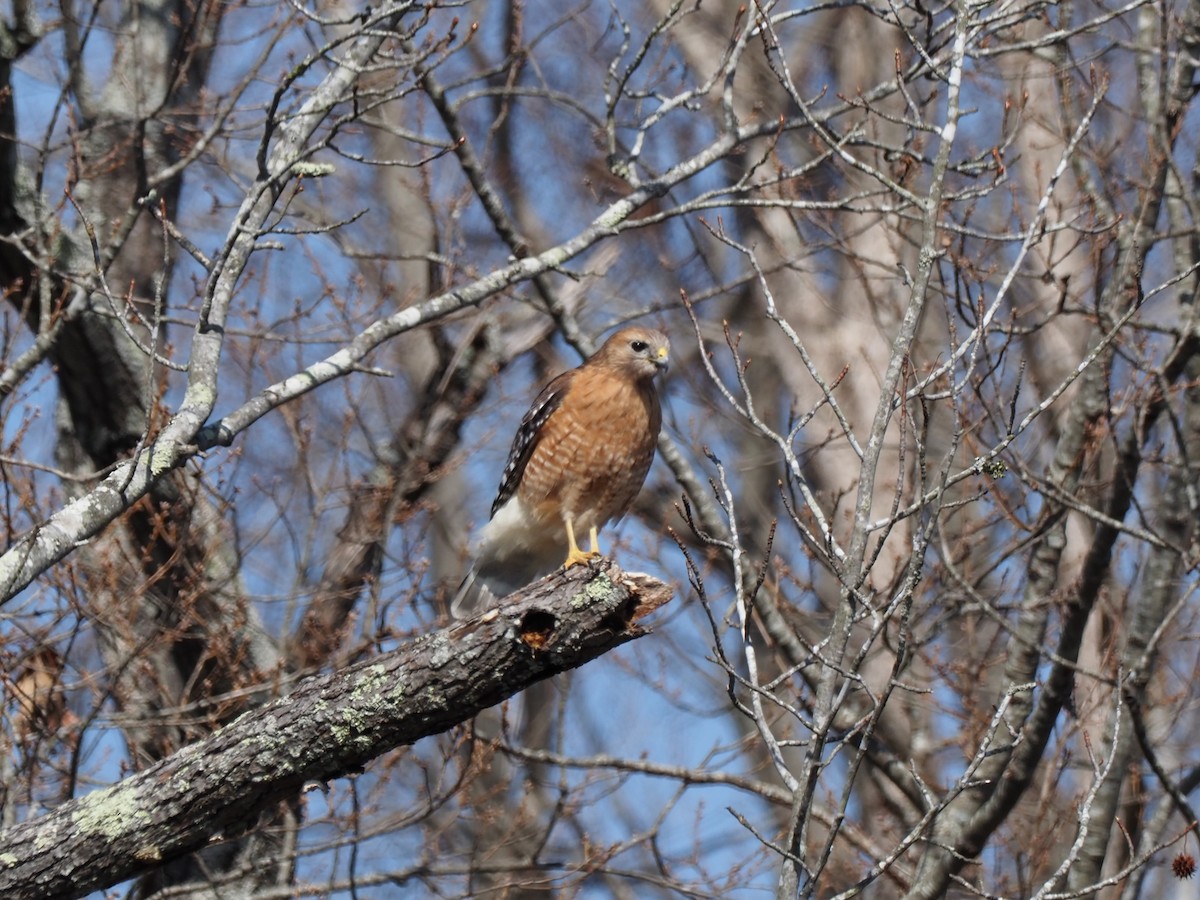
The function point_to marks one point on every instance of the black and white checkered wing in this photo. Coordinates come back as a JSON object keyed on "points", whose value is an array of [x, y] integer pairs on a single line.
{"points": [[529, 432]]}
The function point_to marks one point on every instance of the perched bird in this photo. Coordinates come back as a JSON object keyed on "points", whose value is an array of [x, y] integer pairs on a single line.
{"points": [[41, 706], [579, 458]]}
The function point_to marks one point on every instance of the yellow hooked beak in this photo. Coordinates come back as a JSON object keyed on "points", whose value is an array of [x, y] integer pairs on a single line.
{"points": [[661, 358]]}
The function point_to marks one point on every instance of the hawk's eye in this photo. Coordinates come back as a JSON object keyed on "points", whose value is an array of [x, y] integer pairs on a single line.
{"points": [[639, 346]]}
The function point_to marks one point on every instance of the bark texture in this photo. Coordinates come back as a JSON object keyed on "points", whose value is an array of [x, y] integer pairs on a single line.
{"points": [[328, 726]]}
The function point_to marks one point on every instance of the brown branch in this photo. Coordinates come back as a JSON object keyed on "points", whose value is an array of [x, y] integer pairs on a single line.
{"points": [[328, 726]]}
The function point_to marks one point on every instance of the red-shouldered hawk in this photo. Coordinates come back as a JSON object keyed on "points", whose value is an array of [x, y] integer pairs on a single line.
{"points": [[579, 458]]}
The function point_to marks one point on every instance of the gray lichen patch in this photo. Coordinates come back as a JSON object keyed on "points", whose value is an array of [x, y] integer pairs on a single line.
{"points": [[442, 651], [112, 813], [369, 685], [593, 592], [266, 734], [399, 691], [369, 698], [274, 749], [162, 459], [353, 729]]}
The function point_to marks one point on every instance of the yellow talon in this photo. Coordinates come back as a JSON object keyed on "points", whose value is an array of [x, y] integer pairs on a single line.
{"points": [[575, 556]]}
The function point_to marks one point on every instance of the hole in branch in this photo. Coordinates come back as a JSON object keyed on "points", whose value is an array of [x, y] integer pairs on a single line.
{"points": [[537, 627]]}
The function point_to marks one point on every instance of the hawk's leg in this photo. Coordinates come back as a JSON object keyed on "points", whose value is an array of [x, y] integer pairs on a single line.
{"points": [[575, 556]]}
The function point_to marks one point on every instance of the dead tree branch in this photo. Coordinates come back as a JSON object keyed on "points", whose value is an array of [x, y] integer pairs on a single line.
{"points": [[328, 726]]}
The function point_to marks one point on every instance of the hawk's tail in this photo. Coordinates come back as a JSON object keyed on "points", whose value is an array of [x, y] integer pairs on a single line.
{"points": [[472, 597]]}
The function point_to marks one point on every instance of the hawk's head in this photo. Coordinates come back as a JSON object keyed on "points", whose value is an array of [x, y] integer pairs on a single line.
{"points": [[641, 352]]}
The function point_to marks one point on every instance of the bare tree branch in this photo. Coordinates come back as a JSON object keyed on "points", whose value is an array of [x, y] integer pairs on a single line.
{"points": [[326, 727]]}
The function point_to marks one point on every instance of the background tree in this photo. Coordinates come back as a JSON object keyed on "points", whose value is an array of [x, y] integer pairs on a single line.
{"points": [[283, 277]]}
